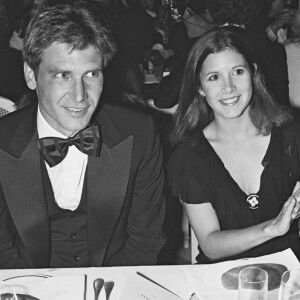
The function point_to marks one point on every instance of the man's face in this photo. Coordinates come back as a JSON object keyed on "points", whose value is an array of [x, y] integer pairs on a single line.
{"points": [[68, 85]]}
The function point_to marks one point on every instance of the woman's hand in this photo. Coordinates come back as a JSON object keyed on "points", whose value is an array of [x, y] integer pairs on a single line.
{"points": [[296, 196], [289, 212]]}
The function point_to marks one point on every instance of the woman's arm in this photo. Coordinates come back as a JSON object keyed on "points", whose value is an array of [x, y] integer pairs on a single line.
{"points": [[217, 244]]}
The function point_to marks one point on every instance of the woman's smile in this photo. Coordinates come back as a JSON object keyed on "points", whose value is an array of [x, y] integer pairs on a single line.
{"points": [[230, 101]]}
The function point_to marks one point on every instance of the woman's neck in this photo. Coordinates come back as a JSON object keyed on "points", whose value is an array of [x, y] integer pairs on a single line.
{"points": [[237, 129]]}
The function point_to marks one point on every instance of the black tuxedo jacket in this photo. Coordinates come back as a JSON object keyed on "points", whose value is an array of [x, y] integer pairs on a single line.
{"points": [[125, 208]]}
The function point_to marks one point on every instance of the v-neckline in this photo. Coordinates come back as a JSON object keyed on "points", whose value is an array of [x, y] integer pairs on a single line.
{"points": [[264, 163]]}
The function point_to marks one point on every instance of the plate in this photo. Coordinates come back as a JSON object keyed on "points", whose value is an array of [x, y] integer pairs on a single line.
{"points": [[26, 278]]}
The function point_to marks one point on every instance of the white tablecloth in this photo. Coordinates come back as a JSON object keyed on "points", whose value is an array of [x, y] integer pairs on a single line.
{"points": [[204, 280]]}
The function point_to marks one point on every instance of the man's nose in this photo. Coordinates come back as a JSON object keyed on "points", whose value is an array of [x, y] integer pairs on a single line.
{"points": [[79, 90]]}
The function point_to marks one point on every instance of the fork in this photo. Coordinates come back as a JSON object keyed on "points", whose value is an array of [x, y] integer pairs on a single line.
{"points": [[108, 286]]}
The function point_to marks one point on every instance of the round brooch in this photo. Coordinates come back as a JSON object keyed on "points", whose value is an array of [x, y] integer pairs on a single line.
{"points": [[253, 201]]}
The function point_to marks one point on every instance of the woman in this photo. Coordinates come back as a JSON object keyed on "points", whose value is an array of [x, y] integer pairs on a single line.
{"points": [[253, 16], [237, 162]]}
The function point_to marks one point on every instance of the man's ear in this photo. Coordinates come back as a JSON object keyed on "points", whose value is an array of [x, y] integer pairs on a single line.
{"points": [[29, 77]]}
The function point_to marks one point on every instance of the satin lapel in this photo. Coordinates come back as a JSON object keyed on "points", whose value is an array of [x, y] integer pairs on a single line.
{"points": [[23, 186], [107, 183]]}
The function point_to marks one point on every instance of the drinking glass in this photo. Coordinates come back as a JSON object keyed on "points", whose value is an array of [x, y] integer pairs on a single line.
{"points": [[158, 71], [7, 292], [253, 284], [290, 285]]}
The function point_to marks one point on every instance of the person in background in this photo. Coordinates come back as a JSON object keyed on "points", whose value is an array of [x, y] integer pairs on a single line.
{"points": [[12, 81], [249, 17], [281, 15], [81, 185], [194, 22], [292, 48], [236, 163]]}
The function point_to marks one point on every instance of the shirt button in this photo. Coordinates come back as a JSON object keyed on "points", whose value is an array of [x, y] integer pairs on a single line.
{"points": [[73, 236], [72, 215], [76, 258]]}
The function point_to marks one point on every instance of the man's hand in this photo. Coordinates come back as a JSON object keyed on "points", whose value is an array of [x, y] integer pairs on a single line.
{"points": [[16, 42], [286, 17]]}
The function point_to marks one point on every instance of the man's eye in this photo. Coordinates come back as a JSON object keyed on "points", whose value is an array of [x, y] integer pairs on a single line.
{"points": [[63, 75], [93, 74]]}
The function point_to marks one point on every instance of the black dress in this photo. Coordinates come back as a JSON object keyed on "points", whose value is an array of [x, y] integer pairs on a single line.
{"points": [[197, 175]]}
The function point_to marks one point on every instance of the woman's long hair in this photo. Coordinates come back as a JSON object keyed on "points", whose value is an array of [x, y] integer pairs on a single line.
{"points": [[193, 112]]}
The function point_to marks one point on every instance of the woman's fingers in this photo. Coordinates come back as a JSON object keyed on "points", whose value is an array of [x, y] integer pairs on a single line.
{"points": [[296, 190], [296, 209], [296, 196], [287, 211]]}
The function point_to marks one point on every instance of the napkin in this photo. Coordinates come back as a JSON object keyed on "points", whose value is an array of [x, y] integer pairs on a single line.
{"points": [[60, 287]]}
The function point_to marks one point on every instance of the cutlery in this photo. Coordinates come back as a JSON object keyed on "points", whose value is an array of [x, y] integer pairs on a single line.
{"points": [[98, 285], [108, 286]]}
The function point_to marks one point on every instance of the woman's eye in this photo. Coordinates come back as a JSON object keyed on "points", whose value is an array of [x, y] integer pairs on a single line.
{"points": [[239, 71], [213, 77]]}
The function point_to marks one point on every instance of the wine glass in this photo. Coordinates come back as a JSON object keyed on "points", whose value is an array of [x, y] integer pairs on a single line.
{"points": [[7, 292], [253, 284], [290, 285]]}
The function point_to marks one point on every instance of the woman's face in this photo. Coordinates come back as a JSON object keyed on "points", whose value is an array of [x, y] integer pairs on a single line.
{"points": [[226, 83]]}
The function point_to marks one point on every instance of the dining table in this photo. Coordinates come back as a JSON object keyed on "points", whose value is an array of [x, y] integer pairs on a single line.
{"points": [[161, 282]]}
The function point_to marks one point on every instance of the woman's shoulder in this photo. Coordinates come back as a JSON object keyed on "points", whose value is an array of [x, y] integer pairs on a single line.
{"points": [[293, 125], [190, 170], [194, 145], [191, 155], [290, 132]]}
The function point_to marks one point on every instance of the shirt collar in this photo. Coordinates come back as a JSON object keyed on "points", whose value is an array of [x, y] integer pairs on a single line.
{"points": [[45, 129]]}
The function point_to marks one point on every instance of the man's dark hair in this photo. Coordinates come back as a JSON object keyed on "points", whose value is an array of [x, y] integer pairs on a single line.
{"points": [[79, 26]]}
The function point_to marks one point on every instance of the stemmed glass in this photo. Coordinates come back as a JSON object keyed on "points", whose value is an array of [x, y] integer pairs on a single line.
{"points": [[290, 285], [7, 292]]}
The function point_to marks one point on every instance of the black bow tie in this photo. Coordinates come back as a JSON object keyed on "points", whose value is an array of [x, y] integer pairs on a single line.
{"points": [[55, 149]]}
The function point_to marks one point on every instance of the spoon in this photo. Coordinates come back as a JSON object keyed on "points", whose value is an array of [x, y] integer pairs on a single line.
{"points": [[108, 286], [98, 285]]}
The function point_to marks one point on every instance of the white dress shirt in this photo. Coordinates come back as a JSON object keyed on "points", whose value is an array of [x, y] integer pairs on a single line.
{"points": [[67, 177]]}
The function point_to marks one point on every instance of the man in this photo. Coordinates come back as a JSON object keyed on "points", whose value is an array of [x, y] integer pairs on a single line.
{"points": [[101, 209]]}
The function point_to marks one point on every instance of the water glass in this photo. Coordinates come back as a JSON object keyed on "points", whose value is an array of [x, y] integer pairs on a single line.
{"points": [[290, 285], [158, 71], [253, 284]]}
